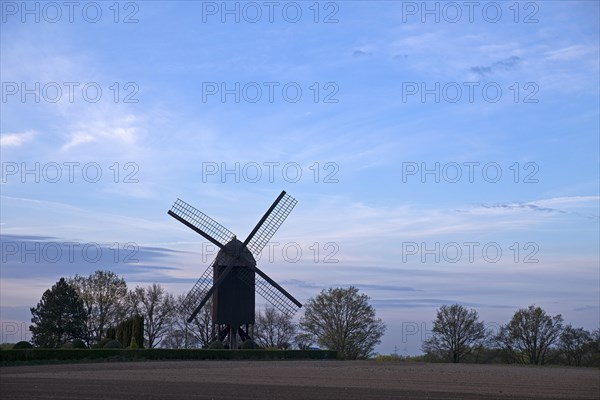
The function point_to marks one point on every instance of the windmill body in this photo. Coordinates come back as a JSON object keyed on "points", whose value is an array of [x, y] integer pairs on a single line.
{"points": [[234, 299], [233, 277]]}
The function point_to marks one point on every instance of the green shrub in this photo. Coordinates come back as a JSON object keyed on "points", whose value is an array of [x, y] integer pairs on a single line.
{"points": [[10, 357], [100, 344], [68, 345], [216, 345], [23, 345], [250, 345], [133, 345], [79, 344], [111, 333], [113, 344]]}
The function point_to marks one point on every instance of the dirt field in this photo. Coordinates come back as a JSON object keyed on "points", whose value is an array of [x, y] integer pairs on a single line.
{"points": [[302, 380]]}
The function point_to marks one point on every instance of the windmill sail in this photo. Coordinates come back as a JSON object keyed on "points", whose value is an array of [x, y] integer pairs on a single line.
{"points": [[199, 291], [201, 223], [271, 291], [270, 222]]}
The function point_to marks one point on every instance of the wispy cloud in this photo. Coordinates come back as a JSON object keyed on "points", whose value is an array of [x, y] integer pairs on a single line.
{"points": [[544, 205], [431, 303], [570, 53], [16, 139], [25, 256]]}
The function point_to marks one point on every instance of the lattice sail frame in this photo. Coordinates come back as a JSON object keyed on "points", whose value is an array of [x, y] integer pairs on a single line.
{"points": [[280, 301], [202, 222], [199, 290], [257, 242]]}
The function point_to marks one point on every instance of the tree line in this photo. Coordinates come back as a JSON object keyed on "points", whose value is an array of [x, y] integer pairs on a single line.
{"points": [[530, 337], [92, 309]]}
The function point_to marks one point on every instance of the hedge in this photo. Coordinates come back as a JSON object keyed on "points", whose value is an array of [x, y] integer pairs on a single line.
{"points": [[25, 355]]}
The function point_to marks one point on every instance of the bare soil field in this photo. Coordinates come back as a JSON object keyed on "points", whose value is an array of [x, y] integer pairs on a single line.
{"points": [[301, 380]]}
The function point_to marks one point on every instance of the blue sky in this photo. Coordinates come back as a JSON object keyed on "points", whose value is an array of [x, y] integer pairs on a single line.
{"points": [[403, 138]]}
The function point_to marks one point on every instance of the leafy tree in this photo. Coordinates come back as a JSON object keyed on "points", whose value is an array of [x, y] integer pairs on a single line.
{"points": [[530, 334], [595, 349], [455, 331], [575, 344], [158, 308], [103, 295], [59, 317], [274, 329], [342, 320], [128, 330]]}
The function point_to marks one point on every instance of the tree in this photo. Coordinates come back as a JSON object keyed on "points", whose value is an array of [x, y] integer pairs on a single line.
{"points": [[530, 334], [103, 295], [200, 332], [342, 320], [158, 309], [595, 349], [202, 326], [455, 331], [575, 344], [59, 317], [128, 331], [274, 329], [304, 340]]}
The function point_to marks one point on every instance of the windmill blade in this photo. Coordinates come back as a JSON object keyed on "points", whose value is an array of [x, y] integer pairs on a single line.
{"points": [[269, 223], [201, 223], [286, 305], [198, 292], [202, 290], [210, 292], [271, 291]]}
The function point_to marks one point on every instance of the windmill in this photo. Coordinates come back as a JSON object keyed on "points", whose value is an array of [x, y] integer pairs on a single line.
{"points": [[233, 279]]}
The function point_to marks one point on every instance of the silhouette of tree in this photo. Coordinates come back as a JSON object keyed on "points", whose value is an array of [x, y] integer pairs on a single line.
{"points": [[274, 329], [103, 294], [530, 334], [342, 320], [455, 331], [199, 333], [158, 309], [575, 344], [59, 317]]}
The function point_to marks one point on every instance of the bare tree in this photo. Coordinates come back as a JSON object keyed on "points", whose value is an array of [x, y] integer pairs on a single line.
{"points": [[188, 335], [455, 331], [274, 329], [157, 306], [202, 325], [102, 294], [530, 334], [304, 340], [575, 344], [343, 320], [179, 339]]}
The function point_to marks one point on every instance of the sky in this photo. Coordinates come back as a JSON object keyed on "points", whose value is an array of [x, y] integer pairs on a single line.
{"points": [[440, 152]]}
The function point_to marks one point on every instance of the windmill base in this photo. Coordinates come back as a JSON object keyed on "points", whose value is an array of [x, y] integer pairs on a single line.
{"points": [[230, 335]]}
